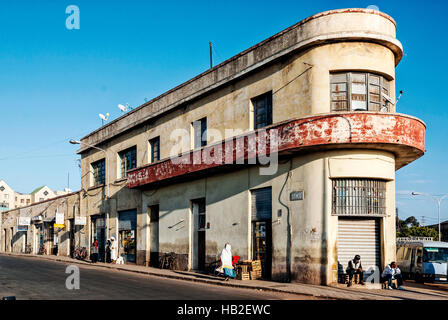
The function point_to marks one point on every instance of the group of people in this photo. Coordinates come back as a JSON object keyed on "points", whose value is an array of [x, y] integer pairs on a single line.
{"points": [[390, 273], [111, 251]]}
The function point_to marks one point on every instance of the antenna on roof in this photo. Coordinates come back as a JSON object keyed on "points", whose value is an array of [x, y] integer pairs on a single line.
{"points": [[211, 54]]}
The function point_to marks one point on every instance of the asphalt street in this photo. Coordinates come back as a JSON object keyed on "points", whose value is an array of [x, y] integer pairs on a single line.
{"points": [[33, 278]]}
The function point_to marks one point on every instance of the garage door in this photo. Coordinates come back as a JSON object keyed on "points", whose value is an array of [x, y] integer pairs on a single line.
{"points": [[359, 236]]}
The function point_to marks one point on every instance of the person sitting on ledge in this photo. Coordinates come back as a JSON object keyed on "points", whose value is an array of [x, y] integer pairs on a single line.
{"points": [[355, 267], [390, 273]]}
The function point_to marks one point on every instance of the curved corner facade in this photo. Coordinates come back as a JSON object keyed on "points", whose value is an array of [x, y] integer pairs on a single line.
{"points": [[287, 150]]}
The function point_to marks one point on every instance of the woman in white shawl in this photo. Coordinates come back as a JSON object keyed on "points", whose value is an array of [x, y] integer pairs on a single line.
{"points": [[226, 258]]}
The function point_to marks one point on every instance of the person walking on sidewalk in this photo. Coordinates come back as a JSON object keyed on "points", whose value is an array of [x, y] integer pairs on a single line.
{"points": [[108, 259], [94, 255], [226, 266], [355, 267]]}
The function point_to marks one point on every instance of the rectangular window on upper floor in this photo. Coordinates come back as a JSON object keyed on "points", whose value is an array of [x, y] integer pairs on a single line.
{"points": [[199, 133], [128, 161], [359, 197], [360, 91], [154, 144], [99, 173], [262, 114]]}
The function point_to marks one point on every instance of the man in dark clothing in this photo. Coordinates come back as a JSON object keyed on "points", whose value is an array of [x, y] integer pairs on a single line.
{"points": [[355, 267]]}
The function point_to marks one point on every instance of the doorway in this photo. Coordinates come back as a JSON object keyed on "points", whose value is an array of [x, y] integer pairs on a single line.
{"points": [[99, 233], [154, 236], [71, 224], [199, 227], [127, 234], [262, 229]]}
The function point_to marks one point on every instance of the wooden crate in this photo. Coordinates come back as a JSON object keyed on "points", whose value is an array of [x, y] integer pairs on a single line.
{"points": [[255, 275], [256, 265]]}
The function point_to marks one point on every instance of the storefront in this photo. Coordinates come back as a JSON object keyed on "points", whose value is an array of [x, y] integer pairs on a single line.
{"points": [[127, 235]]}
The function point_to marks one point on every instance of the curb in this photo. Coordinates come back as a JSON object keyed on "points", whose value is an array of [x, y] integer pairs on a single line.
{"points": [[175, 277]]}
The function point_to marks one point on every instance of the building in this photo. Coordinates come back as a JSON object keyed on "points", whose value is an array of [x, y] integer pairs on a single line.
{"points": [[7, 195], [10, 199], [443, 229], [288, 150], [34, 229]]}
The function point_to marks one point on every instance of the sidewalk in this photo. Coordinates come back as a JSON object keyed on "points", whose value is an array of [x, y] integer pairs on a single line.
{"points": [[338, 292]]}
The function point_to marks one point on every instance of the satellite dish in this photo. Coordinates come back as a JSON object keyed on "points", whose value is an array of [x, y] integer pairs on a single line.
{"points": [[103, 117], [373, 7], [123, 108]]}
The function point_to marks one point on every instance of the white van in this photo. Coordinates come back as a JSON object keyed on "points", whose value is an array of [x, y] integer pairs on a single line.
{"points": [[422, 259]]}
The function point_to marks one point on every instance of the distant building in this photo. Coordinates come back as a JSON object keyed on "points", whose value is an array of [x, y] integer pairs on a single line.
{"points": [[6, 196], [10, 199], [443, 229]]}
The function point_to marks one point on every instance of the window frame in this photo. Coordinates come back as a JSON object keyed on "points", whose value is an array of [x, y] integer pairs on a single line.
{"points": [[98, 173], [267, 98], [152, 143], [123, 156], [200, 124], [383, 84]]}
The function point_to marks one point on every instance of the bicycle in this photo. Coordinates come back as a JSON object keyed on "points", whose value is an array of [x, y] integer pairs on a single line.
{"points": [[168, 261], [42, 250], [28, 249], [80, 253]]}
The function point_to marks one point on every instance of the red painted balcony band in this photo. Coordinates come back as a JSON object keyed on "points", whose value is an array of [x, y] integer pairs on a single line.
{"points": [[400, 134]]}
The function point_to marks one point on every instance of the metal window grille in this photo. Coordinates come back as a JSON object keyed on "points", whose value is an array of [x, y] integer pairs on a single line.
{"points": [[359, 197], [99, 172], [357, 91], [128, 159]]}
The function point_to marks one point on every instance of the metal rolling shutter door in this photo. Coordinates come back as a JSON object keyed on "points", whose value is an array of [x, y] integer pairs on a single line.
{"points": [[359, 236]]}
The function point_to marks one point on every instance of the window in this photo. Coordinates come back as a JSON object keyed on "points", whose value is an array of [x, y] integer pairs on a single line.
{"points": [[199, 133], [357, 91], [128, 160], [262, 110], [99, 175], [359, 197], [6, 196], [155, 149]]}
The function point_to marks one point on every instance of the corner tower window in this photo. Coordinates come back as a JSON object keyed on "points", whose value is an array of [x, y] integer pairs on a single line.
{"points": [[358, 91]]}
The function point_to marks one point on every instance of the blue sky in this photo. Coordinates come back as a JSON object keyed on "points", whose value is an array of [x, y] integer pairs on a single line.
{"points": [[55, 81]]}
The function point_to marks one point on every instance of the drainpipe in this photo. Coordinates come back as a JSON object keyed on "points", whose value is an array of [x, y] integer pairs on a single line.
{"points": [[288, 226]]}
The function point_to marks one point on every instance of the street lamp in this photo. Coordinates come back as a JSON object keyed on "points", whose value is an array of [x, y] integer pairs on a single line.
{"points": [[106, 181], [438, 199]]}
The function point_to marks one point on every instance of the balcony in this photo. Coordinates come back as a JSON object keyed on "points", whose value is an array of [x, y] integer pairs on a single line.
{"points": [[397, 133]]}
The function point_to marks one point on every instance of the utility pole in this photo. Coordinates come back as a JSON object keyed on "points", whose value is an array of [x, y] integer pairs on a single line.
{"points": [[423, 221], [211, 54], [438, 200], [397, 220]]}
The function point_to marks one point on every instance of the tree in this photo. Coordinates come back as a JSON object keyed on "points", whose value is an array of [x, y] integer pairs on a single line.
{"points": [[411, 228]]}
